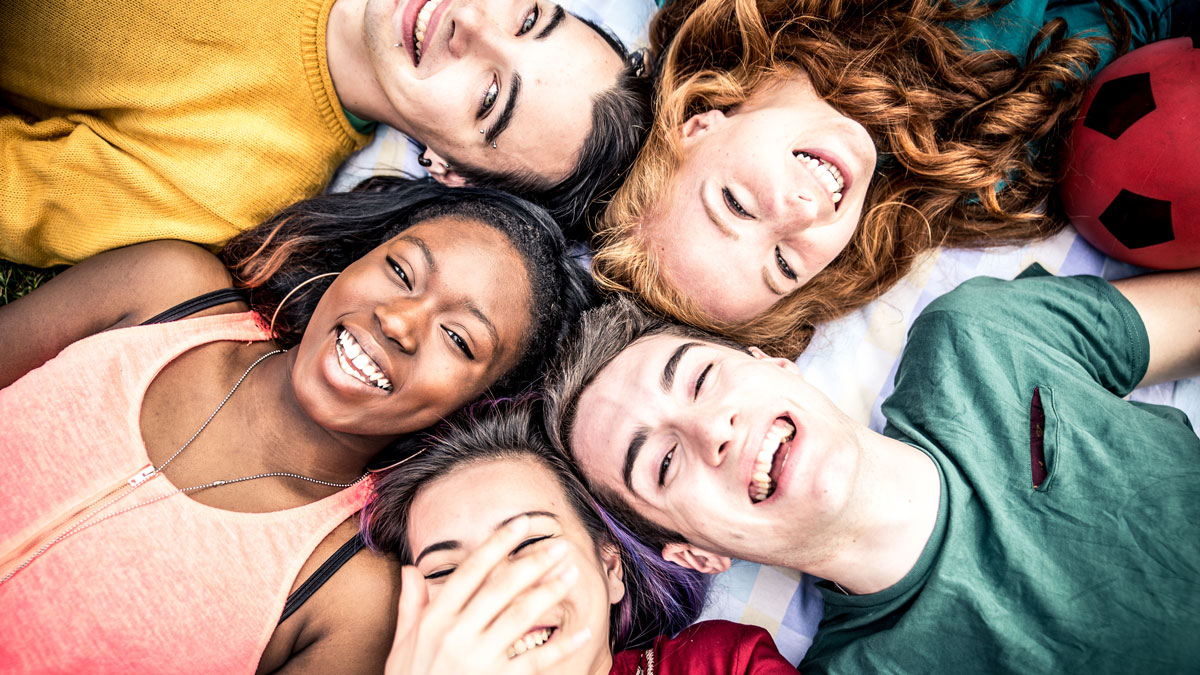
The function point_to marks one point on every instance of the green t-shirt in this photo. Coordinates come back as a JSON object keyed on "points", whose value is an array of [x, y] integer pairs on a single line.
{"points": [[1097, 570], [1012, 27]]}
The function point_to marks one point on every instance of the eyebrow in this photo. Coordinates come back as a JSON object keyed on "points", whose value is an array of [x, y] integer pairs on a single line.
{"points": [[454, 544], [631, 455], [771, 283], [425, 252], [478, 314], [668, 374], [505, 116], [555, 20]]}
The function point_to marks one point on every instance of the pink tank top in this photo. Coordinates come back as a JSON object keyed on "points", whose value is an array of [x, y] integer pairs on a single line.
{"points": [[173, 586]]}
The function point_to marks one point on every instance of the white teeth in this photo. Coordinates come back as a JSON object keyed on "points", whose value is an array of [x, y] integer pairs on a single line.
{"points": [[357, 364], [825, 172], [423, 23], [761, 481], [532, 640]]}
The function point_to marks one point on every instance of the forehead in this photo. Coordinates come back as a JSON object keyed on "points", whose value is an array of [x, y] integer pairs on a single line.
{"points": [[627, 393], [468, 503], [561, 76]]}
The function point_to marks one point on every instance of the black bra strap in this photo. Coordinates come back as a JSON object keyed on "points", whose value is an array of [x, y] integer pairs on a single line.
{"points": [[197, 304], [318, 578]]}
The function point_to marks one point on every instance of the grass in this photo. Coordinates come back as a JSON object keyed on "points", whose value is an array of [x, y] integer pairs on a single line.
{"points": [[17, 280]]}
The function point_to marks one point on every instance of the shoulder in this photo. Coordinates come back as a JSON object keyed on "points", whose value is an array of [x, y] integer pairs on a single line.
{"points": [[161, 274], [721, 647], [348, 624]]}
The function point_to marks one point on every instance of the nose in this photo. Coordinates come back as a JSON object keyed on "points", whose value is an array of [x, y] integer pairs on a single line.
{"points": [[401, 322], [714, 433], [473, 29]]}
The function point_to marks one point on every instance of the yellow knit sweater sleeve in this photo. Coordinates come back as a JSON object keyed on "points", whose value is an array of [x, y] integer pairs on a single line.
{"points": [[125, 122]]}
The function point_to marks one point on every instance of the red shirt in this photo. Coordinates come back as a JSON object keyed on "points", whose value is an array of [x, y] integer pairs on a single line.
{"points": [[709, 647]]}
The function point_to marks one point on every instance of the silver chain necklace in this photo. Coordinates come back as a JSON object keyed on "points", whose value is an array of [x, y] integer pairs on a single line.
{"points": [[150, 471]]}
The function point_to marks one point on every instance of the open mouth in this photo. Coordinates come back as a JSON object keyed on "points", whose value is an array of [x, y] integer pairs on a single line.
{"points": [[769, 462], [355, 362], [421, 25], [533, 639], [826, 172]]}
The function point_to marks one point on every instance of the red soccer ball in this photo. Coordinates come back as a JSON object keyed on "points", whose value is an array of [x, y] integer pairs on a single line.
{"points": [[1132, 186]]}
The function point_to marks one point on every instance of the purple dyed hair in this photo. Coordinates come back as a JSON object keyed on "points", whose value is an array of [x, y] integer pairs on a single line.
{"points": [[660, 597]]}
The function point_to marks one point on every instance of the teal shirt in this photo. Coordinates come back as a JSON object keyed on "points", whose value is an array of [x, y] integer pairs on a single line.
{"points": [[1097, 569], [1012, 27]]}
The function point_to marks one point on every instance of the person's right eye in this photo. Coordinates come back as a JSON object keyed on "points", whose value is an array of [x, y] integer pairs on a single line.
{"points": [[666, 464], [531, 20], [734, 205], [440, 574]]}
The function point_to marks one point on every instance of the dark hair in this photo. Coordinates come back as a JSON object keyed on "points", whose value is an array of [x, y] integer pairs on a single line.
{"points": [[601, 335], [620, 122], [660, 597], [328, 233]]}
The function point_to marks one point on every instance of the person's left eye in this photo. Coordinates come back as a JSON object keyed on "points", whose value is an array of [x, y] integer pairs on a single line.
{"points": [[529, 542], [489, 99], [734, 205], [666, 464], [460, 343], [531, 20], [700, 381]]}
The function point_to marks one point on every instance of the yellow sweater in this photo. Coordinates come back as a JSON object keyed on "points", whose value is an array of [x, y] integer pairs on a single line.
{"points": [[131, 120]]}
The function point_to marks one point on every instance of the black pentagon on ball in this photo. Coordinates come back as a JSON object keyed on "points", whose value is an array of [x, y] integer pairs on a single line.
{"points": [[1119, 104], [1138, 221]]}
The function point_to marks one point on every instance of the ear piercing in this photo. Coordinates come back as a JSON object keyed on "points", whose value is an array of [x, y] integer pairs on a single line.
{"points": [[423, 160]]}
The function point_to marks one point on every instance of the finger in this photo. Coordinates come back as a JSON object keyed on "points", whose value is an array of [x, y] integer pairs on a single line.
{"points": [[414, 596], [524, 612], [507, 582], [462, 585]]}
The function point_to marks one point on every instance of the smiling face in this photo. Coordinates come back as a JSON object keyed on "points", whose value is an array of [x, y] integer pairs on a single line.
{"points": [[736, 453], [767, 196], [524, 72], [455, 514], [413, 330]]}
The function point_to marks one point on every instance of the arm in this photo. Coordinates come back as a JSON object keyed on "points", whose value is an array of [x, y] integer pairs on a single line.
{"points": [[114, 289], [1169, 304]]}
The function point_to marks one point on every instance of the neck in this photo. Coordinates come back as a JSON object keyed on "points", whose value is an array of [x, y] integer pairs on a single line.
{"points": [[349, 63], [287, 439], [896, 504]]}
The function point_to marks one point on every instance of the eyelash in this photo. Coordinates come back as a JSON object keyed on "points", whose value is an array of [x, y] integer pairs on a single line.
{"points": [[400, 273], [531, 20], [785, 268], [440, 574], [734, 205], [666, 464], [700, 380], [460, 343]]}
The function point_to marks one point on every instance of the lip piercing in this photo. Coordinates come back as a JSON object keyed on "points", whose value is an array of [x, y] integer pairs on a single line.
{"points": [[396, 45], [481, 131], [493, 144], [423, 160]]}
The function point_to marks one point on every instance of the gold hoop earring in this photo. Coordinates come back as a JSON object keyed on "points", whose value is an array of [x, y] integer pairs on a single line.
{"points": [[292, 292]]}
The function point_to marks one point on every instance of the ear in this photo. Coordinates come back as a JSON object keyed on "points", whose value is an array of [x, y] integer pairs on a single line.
{"points": [[442, 172], [614, 573], [786, 364], [698, 125], [692, 557]]}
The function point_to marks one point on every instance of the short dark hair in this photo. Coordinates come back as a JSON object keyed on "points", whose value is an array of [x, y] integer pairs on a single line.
{"points": [[329, 232], [601, 335], [621, 118], [660, 598]]}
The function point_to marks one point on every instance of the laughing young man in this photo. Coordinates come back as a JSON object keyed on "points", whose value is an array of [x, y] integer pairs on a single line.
{"points": [[1015, 515], [123, 122]]}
